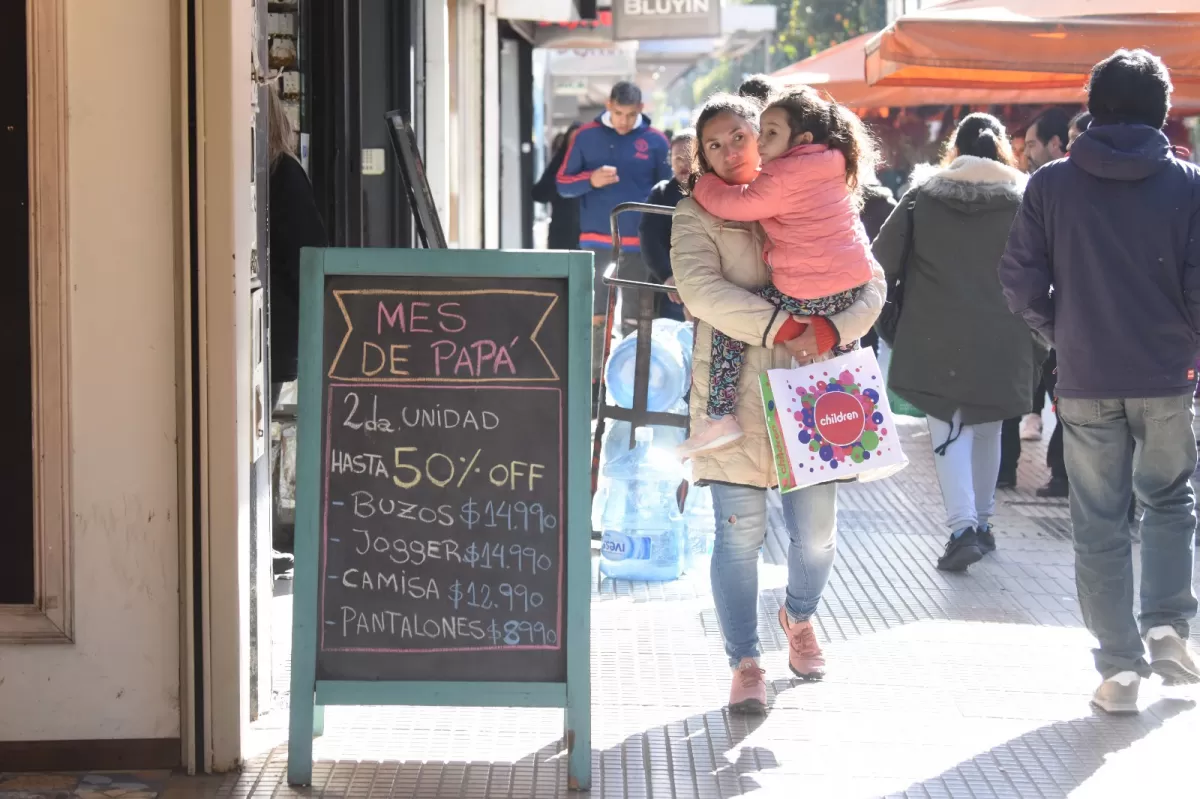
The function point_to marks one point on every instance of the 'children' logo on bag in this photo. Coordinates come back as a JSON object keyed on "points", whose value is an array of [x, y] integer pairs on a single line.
{"points": [[840, 421], [839, 418]]}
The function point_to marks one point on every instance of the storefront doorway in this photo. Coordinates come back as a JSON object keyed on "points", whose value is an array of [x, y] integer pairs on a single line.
{"points": [[17, 564]]}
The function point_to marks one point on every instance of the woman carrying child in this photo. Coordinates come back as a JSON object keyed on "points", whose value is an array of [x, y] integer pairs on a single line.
{"points": [[806, 198]]}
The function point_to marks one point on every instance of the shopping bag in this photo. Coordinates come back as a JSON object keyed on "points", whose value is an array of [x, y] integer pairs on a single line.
{"points": [[831, 421], [899, 405], [902, 407]]}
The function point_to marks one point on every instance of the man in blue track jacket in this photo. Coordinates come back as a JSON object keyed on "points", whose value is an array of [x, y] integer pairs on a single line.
{"points": [[617, 158], [1104, 262]]}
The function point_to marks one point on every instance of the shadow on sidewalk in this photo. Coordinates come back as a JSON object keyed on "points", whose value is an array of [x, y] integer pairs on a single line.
{"points": [[698, 755], [1086, 743]]}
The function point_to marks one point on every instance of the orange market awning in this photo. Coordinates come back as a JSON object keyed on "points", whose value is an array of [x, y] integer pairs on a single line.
{"points": [[1011, 44], [841, 71]]}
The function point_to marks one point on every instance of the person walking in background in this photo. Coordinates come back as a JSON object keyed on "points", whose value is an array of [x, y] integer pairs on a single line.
{"points": [[806, 197], [1104, 262], [294, 223], [617, 158], [719, 271], [564, 211], [1047, 138], [1045, 141], [959, 354], [1059, 485], [1081, 122], [655, 229], [878, 202], [758, 87]]}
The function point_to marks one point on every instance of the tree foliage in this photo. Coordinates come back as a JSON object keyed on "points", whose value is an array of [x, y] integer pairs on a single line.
{"points": [[806, 27]]}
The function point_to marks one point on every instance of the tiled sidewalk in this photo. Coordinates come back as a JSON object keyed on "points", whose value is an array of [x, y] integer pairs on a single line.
{"points": [[938, 685]]}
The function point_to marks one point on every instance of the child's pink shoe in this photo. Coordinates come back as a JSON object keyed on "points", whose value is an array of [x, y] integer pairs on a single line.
{"points": [[711, 435]]}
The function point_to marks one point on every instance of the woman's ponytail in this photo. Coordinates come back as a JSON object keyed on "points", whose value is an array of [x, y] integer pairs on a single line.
{"points": [[982, 136]]}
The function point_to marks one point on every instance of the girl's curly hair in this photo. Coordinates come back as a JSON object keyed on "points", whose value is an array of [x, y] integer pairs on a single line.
{"points": [[833, 125]]}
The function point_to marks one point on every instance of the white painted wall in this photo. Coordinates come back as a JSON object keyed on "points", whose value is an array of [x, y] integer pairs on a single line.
{"points": [[491, 128], [226, 228], [120, 679], [437, 106], [511, 221], [466, 124]]}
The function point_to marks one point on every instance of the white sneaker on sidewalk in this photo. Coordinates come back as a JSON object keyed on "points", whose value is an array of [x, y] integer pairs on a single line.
{"points": [[1031, 427], [709, 435], [1118, 694], [1171, 658]]}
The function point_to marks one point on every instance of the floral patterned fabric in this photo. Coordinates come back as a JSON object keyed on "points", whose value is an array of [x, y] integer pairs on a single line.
{"points": [[728, 353]]}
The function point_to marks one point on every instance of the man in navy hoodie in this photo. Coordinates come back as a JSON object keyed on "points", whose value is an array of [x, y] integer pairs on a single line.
{"points": [[618, 158], [1104, 262]]}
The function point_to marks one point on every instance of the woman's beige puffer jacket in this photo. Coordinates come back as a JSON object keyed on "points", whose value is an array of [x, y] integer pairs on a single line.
{"points": [[718, 267]]}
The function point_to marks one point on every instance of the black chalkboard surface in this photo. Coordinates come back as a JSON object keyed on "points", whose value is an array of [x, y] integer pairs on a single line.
{"points": [[443, 479]]}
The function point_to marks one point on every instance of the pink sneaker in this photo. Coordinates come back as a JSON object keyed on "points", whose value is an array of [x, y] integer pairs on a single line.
{"points": [[749, 691], [804, 654], [710, 435]]}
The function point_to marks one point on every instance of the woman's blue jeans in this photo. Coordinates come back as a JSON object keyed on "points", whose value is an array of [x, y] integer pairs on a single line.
{"points": [[741, 515]]}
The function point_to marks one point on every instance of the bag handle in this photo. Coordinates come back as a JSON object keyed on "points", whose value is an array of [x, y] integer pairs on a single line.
{"points": [[889, 317], [910, 208]]}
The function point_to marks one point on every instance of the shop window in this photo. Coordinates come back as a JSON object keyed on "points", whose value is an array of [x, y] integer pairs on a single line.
{"points": [[35, 588]]}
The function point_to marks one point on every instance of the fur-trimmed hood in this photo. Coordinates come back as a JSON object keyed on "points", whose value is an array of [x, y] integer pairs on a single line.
{"points": [[971, 181]]}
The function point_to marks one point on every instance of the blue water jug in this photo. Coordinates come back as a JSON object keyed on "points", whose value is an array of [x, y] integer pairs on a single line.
{"points": [[700, 526], [616, 437], [643, 528], [669, 375]]}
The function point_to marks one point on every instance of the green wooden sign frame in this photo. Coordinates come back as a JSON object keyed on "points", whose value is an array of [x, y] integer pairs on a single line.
{"points": [[309, 696]]}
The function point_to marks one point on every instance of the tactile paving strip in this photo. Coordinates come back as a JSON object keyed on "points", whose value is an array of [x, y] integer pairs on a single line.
{"points": [[939, 685]]}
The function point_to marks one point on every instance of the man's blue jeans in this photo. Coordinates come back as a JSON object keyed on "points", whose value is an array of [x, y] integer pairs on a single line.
{"points": [[1114, 447], [741, 514]]}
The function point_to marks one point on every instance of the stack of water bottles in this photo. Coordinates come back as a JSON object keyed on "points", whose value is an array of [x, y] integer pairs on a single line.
{"points": [[645, 535]]}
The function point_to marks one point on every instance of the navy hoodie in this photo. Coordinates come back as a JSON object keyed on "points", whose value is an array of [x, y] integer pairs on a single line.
{"points": [[1103, 260], [642, 160]]}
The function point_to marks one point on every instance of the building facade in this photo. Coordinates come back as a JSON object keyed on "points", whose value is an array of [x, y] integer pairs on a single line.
{"points": [[133, 195]]}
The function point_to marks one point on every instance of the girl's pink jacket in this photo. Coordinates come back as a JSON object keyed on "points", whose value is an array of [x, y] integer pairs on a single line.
{"points": [[817, 245]]}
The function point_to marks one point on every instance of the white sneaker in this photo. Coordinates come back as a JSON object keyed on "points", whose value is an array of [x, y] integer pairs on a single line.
{"points": [[711, 435], [1031, 427], [1171, 658], [1118, 694]]}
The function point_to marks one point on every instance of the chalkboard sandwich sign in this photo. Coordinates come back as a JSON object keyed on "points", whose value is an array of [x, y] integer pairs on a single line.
{"points": [[443, 538]]}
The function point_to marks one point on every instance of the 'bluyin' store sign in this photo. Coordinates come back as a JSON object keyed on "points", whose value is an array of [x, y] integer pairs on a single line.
{"points": [[666, 19]]}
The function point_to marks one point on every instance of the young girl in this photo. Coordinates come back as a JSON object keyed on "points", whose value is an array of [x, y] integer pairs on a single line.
{"points": [[806, 198]]}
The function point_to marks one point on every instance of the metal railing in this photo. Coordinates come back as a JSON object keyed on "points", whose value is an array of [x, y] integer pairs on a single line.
{"points": [[644, 294]]}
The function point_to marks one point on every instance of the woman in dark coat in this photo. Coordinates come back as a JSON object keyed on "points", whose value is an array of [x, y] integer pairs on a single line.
{"points": [[960, 355], [564, 211]]}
